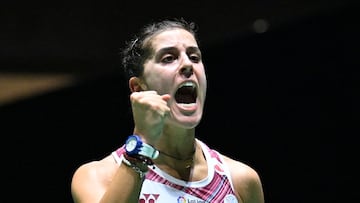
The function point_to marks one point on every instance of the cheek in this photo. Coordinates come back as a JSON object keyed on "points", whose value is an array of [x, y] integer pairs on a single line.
{"points": [[202, 78], [204, 85], [158, 81]]}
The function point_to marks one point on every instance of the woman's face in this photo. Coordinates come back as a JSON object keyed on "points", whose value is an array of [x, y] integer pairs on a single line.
{"points": [[176, 68]]}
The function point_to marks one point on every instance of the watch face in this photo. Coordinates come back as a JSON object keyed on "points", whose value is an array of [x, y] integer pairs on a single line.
{"points": [[131, 144]]}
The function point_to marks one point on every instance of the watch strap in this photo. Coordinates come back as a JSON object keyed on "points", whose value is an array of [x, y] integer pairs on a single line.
{"points": [[148, 151]]}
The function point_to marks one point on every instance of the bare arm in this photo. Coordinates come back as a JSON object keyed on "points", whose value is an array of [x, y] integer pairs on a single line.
{"points": [[246, 181], [105, 181]]}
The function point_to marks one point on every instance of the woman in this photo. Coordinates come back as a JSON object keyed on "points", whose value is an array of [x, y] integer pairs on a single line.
{"points": [[163, 161]]}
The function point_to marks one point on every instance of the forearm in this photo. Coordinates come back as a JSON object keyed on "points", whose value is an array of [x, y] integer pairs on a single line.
{"points": [[125, 186]]}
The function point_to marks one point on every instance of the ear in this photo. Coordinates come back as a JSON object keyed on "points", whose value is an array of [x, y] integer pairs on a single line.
{"points": [[136, 84]]}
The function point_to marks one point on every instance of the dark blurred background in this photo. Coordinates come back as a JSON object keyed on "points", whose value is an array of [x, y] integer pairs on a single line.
{"points": [[281, 94]]}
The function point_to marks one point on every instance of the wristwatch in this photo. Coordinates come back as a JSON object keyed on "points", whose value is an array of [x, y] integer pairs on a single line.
{"points": [[134, 146]]}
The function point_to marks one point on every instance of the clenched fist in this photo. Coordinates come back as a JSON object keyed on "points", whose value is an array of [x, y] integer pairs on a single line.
{"points": [[149, 112]]}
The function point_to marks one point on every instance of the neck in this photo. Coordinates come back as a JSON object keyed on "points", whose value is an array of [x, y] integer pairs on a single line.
{"points": [[181, 168], [186, 161], [177, 147], [178, 157]]}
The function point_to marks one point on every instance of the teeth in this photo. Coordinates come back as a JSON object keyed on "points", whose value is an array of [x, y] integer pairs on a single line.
{"points": [[188, 84]]}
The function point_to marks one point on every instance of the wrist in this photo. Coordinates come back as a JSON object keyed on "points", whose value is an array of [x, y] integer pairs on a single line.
{"points": [[135, 164], [135, 147]]}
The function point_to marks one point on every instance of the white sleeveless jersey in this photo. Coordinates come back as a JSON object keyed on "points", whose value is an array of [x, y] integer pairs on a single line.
{"points": [[160, 187]]}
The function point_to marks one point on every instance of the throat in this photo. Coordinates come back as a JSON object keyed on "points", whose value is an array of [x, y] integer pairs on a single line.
{"points": [[183, 168], [185, 162]]}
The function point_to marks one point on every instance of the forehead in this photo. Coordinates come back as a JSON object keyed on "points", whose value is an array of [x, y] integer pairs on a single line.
{"points": [[173, 38]]}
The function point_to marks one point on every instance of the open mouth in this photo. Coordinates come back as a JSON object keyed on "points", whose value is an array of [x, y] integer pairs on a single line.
{"points": [[186, 93]]}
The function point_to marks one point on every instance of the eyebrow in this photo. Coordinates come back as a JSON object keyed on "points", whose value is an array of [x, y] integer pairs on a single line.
{"points": [[168, 49]]}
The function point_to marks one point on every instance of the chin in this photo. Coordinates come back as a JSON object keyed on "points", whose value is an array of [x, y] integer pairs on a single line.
{"points": [[188, 122]]}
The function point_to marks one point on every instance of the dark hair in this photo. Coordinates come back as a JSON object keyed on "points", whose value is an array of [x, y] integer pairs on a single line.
{"points": [[138, 49]]}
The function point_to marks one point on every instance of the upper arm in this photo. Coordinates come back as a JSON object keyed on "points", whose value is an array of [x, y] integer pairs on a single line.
{"points": [[86, 185], [247, 182], [254, 192]]}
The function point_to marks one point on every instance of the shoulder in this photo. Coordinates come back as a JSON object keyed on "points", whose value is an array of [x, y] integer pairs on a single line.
{"points": [[246, 181], [92, 176]]}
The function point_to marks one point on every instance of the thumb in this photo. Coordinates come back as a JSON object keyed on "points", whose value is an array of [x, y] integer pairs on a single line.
{"points": [[166, 97]]}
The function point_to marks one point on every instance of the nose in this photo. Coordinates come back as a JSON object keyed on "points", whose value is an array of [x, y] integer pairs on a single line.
{"points": [[187, 71], [187, 67]]}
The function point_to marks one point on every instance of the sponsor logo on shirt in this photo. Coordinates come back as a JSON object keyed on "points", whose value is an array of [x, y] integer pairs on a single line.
{"points": [[182, 199]]}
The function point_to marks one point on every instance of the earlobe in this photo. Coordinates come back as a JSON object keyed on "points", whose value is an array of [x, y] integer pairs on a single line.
{"points": [[136, 84]]}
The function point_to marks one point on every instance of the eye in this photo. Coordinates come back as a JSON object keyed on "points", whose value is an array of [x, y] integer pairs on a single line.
{"points": [[195, 58], [168, 58]]}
